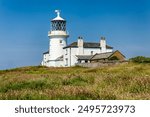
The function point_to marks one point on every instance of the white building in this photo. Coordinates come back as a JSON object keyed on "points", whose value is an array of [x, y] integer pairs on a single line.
{"points": [[61, 54]]}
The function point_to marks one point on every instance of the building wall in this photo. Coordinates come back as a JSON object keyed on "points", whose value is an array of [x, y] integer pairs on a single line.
{"points": [[59, 63], [54, 64], [58, 40], [108, 50], [70, 58], [118, 55], [45, 59], [101, 64], [91, 51], [50, 63]]}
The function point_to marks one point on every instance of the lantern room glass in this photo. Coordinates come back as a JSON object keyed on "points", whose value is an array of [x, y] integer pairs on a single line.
{"points": [[58, 25]]}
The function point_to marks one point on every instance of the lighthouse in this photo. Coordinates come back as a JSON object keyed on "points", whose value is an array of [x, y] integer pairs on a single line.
{"points": [[61, 54], [57, 40]]}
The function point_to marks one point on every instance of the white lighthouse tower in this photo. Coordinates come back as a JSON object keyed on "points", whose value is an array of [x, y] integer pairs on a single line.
{"points": [[58, 40]]}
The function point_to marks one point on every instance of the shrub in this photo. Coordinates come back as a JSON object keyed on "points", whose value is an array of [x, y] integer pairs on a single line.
{"points": [[140, 59]]}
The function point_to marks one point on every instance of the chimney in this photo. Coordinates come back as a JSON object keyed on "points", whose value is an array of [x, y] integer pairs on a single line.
{"points": [[80, 42], [103, 44], [80, 46]]}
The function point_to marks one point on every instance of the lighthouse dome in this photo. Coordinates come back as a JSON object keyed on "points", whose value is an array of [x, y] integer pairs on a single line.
{"points": [[58, 18]]}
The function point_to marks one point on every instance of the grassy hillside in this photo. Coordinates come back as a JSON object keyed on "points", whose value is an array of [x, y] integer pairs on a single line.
{"points": [[126, 81]]}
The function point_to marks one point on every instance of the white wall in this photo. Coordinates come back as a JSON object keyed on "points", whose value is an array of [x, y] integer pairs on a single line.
{"points": [[109, 50], [70, 57], [59, 63], [58, 40], [56, 47], [87, 51], [70, 54], [45, 59]]}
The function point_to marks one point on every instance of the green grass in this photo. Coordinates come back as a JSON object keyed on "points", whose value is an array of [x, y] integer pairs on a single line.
{"points": [[125, 81]]}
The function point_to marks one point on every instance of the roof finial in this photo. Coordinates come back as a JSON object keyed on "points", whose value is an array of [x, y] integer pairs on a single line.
{"points": [[58, 13]]}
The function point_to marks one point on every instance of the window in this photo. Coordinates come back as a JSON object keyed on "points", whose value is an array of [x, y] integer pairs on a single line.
{"points": [[60, 41], [86, 61], [66, 62], [66, 52]]}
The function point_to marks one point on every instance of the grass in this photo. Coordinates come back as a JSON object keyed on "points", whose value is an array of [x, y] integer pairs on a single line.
{"points": [[125, 81]]}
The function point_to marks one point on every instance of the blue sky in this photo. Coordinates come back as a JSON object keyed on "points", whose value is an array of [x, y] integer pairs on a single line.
{"points": [[24, 25]]}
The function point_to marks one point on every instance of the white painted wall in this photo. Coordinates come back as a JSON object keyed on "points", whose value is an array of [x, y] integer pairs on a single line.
{"points": [[109, 50], [58, 40], [70, 54], [56, 47], [45, 59], [59, 63], [87, 51], [67, 57], [70, 58]]}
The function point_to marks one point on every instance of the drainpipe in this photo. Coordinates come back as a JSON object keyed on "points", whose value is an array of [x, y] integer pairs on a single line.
{"points": [[70, 56]]}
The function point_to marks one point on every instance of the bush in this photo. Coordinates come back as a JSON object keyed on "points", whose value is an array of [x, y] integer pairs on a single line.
{"points": [[140, 59]]}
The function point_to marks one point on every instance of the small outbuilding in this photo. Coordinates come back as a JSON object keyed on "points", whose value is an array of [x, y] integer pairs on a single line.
{"points": [[108, 56]]}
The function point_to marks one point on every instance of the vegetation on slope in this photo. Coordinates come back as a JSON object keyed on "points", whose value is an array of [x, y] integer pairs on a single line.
{"points": [[125, 81], [140, 59]]}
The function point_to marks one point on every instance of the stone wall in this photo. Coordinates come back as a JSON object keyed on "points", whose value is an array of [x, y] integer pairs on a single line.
{"points": [[101, 64]]}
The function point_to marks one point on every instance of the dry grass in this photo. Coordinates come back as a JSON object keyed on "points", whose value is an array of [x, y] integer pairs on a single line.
{"points": [[126, 81]]}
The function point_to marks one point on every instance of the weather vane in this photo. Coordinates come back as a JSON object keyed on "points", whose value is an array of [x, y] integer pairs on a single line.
{"points": [[58, 12]]}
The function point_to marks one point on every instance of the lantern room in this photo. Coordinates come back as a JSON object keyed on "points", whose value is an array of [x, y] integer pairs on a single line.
{"points": [[58, 23]]}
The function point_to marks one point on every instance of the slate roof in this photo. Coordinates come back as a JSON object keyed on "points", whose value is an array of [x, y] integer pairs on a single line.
{"points": [[97, 56], [84, 57], [60, 58], [46, 52], [94, 57], [102, 56], [87, 45]]}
